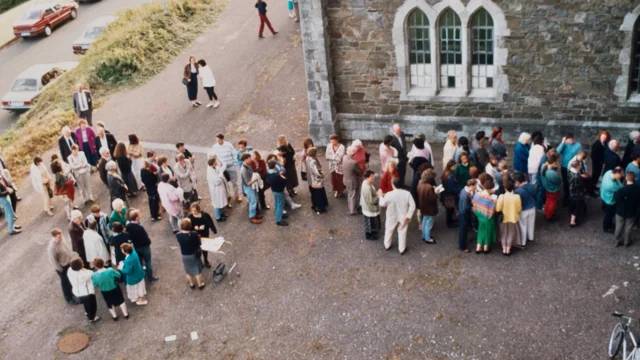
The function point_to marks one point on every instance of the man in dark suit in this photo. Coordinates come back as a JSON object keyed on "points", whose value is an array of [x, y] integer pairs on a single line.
{"points": [[611, 157], [627, 199], [141, 241], [65, 142], [352, 179], [104, 138], [83, 104], [400, 144]]}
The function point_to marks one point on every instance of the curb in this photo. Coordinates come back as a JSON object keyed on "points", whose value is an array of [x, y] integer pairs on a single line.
{"points": [[9, 43]]}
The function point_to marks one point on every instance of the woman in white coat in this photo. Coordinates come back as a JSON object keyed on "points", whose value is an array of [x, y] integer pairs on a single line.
{"points": [[94, 246], [81, 171], [42, 181], [209, 83], [217, 187]]}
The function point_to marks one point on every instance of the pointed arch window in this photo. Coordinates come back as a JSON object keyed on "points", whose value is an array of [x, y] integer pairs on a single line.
{"points": [[482, 50], [634, 74], [419, 49], [450, 50]]}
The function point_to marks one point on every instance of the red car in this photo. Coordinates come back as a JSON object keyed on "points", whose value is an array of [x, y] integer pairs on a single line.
{"points": [[41, 18]]}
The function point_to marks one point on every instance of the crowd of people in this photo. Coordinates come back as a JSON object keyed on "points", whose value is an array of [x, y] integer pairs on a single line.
{"points": [[480, 189]]}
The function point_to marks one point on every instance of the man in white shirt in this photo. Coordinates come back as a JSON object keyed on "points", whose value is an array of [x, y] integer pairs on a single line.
{"points": [[227, 154], [83, 104], [400, 208]]}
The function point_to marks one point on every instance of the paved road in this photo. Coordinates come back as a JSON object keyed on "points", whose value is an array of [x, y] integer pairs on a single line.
{"points": [[57, 47]]}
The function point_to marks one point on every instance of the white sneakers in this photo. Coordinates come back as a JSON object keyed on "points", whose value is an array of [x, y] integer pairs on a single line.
{"points": [[214, 104], [295, 206], [142, 302]]}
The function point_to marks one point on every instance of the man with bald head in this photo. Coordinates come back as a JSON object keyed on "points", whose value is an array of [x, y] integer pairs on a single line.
{"points": [[400, 144]]}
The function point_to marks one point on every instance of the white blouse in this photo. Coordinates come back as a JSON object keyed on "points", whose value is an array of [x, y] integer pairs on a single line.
{"points": [[208, 80]]}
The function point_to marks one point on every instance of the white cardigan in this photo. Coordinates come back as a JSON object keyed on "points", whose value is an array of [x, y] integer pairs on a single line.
{"points": [[36, 177], [208, 80], [94, 246], [399, 204], [81, 282]]}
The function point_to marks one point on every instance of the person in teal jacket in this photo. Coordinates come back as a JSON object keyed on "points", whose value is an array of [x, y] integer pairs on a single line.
{"points": [[551, 181], [134, 275], [567, 150], [106, 279], [608, 187]]}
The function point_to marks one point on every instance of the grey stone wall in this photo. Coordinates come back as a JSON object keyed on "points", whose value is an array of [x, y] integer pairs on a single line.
{"points": [[562, 67], [315, 45]]}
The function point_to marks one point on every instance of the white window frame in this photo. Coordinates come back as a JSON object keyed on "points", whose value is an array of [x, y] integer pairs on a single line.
{"points": [[465, 92], [625, 95]]}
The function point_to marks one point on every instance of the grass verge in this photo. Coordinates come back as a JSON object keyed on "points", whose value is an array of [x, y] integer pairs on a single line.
{"points": [[137, 46], [6, 5]]}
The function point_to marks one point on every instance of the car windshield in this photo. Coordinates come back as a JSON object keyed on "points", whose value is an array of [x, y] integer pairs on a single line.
{"points": [[25, 85], [93, 32], [31, 15]]}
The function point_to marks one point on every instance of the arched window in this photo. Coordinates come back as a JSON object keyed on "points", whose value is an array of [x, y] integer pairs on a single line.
{"points": [[634, 73], [482, 70], [450, 50], [419, 49]]}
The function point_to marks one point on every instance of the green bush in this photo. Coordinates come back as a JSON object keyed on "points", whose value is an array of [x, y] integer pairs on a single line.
{"points": [[138, 45], [9, 4]]}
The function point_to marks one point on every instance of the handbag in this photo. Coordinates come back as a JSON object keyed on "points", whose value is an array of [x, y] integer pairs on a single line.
{"points": [[185, 82], [226, 175]]}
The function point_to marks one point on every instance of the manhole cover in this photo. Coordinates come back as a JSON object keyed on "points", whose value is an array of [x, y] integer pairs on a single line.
{"points": [[73, 343]]}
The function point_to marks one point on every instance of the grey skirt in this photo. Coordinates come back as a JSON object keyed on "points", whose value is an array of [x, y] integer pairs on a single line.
{"points": [[192, 264]]}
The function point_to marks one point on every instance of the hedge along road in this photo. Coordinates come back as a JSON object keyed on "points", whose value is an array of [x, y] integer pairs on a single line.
{"points": [[56, 48]]}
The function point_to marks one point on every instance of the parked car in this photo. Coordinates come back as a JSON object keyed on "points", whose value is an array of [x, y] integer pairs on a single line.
{"points": [[91, 34], [41, 18], [28, 85]]}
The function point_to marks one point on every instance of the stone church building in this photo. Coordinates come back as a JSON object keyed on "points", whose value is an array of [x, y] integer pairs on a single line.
{"points": [[436, 65]]}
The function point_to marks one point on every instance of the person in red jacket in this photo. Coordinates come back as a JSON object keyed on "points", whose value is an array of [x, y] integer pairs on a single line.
{"points": [[262, 12]]}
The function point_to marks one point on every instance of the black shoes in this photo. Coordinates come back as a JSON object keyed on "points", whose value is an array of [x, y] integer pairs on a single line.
{"points": [[282, 223]]}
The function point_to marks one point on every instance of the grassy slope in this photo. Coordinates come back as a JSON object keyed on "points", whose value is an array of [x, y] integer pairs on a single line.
{"points": [[134, 48], [9, 4]]}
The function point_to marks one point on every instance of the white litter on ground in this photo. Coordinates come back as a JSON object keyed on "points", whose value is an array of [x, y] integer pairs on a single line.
{"points": [[611, 290], [170, 338], [194, 335]]}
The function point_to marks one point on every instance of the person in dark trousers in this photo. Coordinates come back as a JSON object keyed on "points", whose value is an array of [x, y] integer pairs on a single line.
{"points": [[203, 225], [597, 155], [262, 12], [150, 180], [82, 104], [141, 242], [611, 183], [65, 142], [400, 144], [464, 211], [278, 183], [118, 238], [627, 209], [611, 158], [104, 138], [60, 256]]}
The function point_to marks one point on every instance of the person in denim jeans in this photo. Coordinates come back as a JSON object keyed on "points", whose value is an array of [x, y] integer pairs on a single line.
{"points": [[246, 173], [5, 191], [278, 184], [464, 213]]}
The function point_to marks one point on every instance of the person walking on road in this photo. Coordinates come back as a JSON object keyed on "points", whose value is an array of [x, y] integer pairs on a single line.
{"points": [[82, 287], [60, 255], [83, 104], [352, 179], [627, 210], [400, 208], [106, 281], [209, 83], [262, 13], [370, 204], [41, 181], [141, 241], [226, 155], [134, 275], [191, 71]]}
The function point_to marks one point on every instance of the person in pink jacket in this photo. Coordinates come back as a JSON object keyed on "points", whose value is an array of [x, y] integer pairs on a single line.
{"points": [[87, 142], [170, 197]]}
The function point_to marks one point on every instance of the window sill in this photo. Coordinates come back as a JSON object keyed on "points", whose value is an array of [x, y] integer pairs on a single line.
{"points": [[453, 95]]}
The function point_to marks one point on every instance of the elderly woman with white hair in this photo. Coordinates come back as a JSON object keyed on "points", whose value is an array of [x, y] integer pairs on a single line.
{"points": [[76, 232], [450, 147], [611, 157], [117, 187], [361, 156], [521, 153], [119, 213], [634, 142]]}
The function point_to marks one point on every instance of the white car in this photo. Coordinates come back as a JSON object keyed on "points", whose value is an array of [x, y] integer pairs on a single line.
{"points": [[31, 82], [92, 33]]}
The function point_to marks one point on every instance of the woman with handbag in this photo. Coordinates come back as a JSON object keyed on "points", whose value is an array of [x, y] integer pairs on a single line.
{"points": [[41, 182], [217, 187], [203, 225], [190, 249], [316, 182], [190, 79]]}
